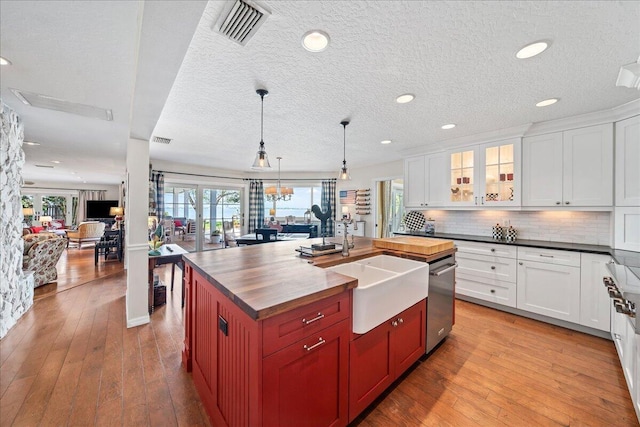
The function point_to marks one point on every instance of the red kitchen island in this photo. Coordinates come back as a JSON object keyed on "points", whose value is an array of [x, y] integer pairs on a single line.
{"points": [[268, 337]]}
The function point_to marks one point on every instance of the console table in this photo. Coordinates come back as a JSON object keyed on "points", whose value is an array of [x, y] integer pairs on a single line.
{"points": [[169, 254]]}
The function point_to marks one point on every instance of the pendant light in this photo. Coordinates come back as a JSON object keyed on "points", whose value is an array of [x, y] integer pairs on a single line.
{"points": [[344, 173], [262, 160]]}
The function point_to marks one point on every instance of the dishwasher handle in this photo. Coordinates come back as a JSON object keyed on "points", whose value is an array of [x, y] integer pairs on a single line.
{"points": [[444, 270]]}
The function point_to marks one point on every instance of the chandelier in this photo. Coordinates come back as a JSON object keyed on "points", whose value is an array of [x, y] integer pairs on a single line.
{"points": [[274, 194]]}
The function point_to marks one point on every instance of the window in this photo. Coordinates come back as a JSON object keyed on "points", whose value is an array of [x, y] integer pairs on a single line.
{"points": [[301, 200]]}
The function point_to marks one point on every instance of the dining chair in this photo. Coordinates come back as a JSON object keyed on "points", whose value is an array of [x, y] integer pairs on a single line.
{"points": [[266, 234]]}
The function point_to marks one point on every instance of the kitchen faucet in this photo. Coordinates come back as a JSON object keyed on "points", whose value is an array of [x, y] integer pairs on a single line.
{"points": [[345, 244]]}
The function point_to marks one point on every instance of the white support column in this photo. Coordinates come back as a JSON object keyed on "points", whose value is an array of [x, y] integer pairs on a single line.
{"points": [[137, 245]]}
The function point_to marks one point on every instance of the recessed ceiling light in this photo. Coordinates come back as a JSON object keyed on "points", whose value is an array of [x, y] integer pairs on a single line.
{"points": [[532, 49], [55, 161], [546, 102], [31, 143], [4, 61], [386, 141], [403, 99], [449, 126], [315, 40]]}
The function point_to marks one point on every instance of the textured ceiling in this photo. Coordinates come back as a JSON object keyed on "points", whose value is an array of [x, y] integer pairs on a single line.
{"points": [[457, 57]]}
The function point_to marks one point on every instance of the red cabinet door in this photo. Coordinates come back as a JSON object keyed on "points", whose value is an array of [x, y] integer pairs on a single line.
{"points": [[305, 384], [408, 337], [370, 368], [380, 356]]}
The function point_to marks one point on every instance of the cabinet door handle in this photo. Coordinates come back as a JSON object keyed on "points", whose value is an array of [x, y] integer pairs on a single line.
{"points": [[482, 199], [493, 267], [520, 263], [546, 256], [476, 200], [315, 319], [394, 323], [400, 320], [566, 203], [493, 250], [493, 291], [319, 343], [557, 203]]}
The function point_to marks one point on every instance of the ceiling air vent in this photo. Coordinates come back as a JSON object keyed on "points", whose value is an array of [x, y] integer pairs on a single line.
{"points": [[241, 21], [161, 140], [51, 103]]}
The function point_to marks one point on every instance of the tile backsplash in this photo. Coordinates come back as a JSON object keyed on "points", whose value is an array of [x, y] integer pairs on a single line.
{"points": [[558, 226]]}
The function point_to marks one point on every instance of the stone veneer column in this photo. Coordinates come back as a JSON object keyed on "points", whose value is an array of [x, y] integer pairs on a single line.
{"points": [[16, 287]]}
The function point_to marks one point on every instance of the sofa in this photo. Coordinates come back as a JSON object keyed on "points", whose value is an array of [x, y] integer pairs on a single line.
{"points": [[41, 254], [89, 231]]}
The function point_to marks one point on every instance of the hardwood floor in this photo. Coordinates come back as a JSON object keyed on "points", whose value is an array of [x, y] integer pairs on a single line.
{"points": [[71, 361]]}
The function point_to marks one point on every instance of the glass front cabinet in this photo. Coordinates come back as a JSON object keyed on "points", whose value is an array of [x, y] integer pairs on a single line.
{"points": [[486, 175]]}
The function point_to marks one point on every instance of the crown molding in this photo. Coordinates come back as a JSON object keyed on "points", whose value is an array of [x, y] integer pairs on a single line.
{"points": [[611, 115], [478, 138]]}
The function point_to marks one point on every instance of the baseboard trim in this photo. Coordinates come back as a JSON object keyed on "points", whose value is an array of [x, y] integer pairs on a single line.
{"points": [[142, 320], [539, 317]]}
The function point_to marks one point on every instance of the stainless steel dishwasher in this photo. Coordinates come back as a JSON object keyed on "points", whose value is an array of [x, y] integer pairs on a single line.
{"points": [[440, 300]]}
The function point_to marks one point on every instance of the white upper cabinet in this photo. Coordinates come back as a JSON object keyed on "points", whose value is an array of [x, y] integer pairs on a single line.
{"points": [[424, 183], [628, 162], [485, 175], [571, 168]]}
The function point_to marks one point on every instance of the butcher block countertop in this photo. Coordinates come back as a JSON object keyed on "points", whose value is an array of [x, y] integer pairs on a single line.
{"points": [[269, 279]]}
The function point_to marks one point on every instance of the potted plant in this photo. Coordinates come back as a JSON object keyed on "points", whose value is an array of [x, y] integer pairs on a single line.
{"points": [[216, 236]]}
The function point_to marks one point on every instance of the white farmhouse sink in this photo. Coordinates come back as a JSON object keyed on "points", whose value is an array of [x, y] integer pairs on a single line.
{"points": [[387, 285]]}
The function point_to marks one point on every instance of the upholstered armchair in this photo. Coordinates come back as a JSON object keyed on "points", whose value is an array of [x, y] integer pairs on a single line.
{"points": [[90, 231], [41, 254]]}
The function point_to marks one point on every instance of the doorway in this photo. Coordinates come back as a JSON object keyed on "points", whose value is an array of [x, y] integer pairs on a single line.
{"points": [[389, 207]]}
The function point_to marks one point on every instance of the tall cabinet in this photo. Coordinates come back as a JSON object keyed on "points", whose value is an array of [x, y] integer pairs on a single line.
{"points": [[485, 175], [570, 168], [627, 210]]}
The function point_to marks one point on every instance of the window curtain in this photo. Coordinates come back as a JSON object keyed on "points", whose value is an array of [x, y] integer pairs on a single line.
{"points": [[83, 196], [383, 208], [256, 204], [329, 202], [156, 194]]}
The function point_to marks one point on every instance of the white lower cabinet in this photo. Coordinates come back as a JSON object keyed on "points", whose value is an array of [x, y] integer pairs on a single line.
{"points": [[628, 347], [549, 289], [486, 271], [595, 305]]}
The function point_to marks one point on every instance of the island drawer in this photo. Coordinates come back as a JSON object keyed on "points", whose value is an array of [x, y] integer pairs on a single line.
{"points": [[287, 328]]}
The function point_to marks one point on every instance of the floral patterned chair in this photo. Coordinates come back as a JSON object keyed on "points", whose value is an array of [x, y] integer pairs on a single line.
{"points": [[41, 254]]}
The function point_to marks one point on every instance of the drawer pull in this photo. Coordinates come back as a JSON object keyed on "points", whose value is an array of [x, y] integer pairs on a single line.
{"points": [[315, 319], [493, 249], [394, 323], [546, 256], [400, 320], [493, 291], [493, 267], [319, 343]]}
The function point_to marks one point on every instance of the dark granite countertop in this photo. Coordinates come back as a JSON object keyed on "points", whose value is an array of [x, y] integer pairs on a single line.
{"points": [[627, 258]]}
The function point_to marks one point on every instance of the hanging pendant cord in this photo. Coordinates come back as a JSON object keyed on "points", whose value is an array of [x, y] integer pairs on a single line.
{"points": [[262, 119]]}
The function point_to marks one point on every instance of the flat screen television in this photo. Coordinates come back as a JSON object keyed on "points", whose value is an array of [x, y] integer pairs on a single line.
{"points": [[98, 209]]}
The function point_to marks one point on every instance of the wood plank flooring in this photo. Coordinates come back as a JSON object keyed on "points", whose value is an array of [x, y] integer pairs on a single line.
{"points": [[71, 361]]}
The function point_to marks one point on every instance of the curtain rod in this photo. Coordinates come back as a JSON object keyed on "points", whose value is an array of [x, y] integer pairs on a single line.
{"points": [[243, 179], [64, 189]]}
